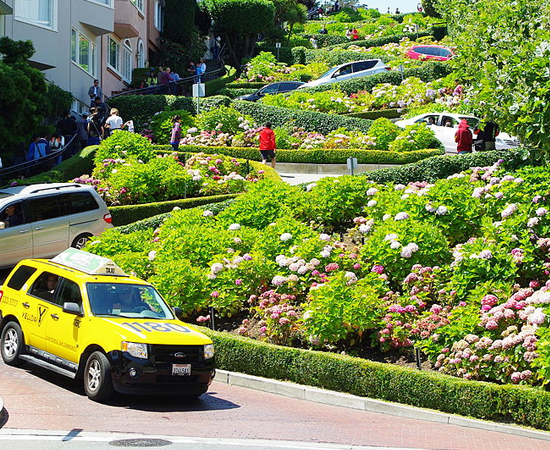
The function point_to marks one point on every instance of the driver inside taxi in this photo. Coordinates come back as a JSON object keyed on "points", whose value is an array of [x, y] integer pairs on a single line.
{"points": [[126, 303]]}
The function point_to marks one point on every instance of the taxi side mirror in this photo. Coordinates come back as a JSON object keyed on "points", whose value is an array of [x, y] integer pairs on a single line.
{"points": [[2, 225], [177, 312], [72, 308]]}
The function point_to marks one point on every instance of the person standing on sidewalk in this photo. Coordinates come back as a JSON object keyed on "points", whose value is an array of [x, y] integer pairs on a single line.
{"points": [[267, 144]]}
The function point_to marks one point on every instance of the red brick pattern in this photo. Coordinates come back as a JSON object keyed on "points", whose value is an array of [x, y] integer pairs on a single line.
{"points": [[36, 399]]}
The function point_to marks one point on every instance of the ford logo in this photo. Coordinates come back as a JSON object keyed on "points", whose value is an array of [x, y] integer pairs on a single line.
{"points": [[180, 355]]}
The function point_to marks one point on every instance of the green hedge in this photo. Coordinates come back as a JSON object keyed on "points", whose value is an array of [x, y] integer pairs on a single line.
{"points": [[319, 156], [332, 58], [140, 108], [379, 42], [375, 114], [212, 87], [77, 165], [428, 71], [520, 404], [309, 120], [124, 215], [285, 53], [246, 85], [234, 93], [437, 167]]}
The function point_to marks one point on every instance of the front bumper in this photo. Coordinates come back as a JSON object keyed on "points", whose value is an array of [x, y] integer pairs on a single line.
{"points": [[145, 377]]}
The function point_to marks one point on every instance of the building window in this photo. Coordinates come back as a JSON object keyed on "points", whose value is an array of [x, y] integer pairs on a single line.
{"points": [[40, 12], [138, 4], [104, 2], [83, 52], [113, 58], [127, 61], [140, 56], [159, 16]]}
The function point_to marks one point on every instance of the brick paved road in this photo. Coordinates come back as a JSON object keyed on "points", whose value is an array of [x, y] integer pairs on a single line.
{"points": [[36, 399]]}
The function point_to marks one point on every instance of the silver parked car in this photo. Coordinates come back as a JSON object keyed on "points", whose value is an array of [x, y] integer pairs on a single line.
{"points": [[42, 220], [347, 71]]}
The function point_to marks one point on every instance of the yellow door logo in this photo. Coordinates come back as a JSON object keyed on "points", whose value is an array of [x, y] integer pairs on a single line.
{"points": [[41, 312]]}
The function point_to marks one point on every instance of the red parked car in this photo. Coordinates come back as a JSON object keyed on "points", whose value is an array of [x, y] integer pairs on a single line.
{"points": [[435, 52]]}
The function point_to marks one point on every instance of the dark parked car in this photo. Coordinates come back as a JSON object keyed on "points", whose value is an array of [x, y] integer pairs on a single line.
{"points": [[273, 88]]}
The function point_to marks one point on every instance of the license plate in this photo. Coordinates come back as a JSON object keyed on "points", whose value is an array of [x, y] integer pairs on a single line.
{"points": [[181, 369]]}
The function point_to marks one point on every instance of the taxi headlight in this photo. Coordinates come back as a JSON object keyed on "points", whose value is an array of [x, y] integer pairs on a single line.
{"points": [[135, 349], [208, 351]]}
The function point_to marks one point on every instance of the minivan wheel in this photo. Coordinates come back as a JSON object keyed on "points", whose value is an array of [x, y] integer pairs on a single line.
{"points": [[98, 383], [11, 344], [80, 241]]}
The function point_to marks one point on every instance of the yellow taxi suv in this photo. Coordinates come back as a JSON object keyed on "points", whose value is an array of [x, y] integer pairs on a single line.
{"points": [[80, 315]]}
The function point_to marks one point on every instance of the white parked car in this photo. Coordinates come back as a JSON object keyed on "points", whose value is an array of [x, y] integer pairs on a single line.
{"points": [[445, 125], [347, 71]]}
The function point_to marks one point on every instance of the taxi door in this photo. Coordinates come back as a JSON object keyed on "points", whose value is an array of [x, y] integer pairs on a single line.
{"points": [[35, 307], [62, 328]]}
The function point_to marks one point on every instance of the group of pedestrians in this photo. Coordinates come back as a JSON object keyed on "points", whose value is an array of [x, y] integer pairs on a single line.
{"points": [[485, 134]]}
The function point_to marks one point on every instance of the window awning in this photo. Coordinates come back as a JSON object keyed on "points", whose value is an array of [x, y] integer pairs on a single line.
{"points": [[5, 8]]}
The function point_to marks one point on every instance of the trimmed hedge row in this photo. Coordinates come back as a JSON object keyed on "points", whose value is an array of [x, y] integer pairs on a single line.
{"points": [[520, 404], [245, 85], [74, 167], [380, 41], [437, 167], [124, 215], [309, 120], [141, 108], [335, 58], [216, 84], [234, 93], [317, 156], [428, 71], [375, 114]]}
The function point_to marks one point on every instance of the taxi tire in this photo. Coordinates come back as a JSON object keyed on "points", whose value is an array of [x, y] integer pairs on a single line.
{"points": [[98, 383], [12, 332]]}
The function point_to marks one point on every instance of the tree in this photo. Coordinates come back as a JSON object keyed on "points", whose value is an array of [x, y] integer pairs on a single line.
{"points": [[504, 54], [23, 101], [239, 22], [288, 13], [430, 8]]}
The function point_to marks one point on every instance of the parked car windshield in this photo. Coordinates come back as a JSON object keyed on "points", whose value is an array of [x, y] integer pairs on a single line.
{"points": [[127, 300]]}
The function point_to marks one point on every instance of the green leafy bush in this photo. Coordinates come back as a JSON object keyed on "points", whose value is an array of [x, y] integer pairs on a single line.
{"points": [[161, 124], [414, 137], [384, 132], [122, 145], [223, 119]]}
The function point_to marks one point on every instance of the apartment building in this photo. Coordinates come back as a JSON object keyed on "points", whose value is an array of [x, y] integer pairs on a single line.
{"points": [[77, 41]]}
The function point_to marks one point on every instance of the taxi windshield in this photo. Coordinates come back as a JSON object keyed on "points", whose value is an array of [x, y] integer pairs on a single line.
{"points": [[127, 300]]}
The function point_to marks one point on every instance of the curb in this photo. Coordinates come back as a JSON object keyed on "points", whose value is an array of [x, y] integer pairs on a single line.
{"points": [[323, 396]]}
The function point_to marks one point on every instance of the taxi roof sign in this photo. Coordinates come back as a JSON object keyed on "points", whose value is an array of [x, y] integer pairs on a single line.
{"points": [[88, 263]]}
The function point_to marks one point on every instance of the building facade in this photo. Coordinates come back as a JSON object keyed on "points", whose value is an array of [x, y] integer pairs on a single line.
{"points": [[77, 41]]}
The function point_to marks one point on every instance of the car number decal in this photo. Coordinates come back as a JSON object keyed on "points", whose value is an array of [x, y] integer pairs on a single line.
{"points": [[149, 327]]}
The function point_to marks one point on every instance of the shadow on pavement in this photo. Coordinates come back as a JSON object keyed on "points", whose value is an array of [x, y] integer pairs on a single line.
{"points": [[151, 403]]}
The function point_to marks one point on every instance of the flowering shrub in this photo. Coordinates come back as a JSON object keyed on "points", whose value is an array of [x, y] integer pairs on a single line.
{"points": [[413, 137], [457, 268], [223, 119], [131, 181], [161, 125]]}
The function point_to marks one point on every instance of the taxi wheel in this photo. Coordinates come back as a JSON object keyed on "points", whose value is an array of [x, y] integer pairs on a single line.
{"points": [[12, 344], [80, 241], [98, 383]]}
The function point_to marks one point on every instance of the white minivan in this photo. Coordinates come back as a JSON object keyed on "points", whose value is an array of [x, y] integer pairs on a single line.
{"points": [[42, 220]]}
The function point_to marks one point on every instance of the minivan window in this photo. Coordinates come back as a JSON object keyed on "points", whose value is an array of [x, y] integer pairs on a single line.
{"points": [[77, 202], [43, 208], [12, 215], [20, 277]]}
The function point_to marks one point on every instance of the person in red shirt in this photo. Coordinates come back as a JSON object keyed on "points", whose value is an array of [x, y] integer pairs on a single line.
{"points": [[354, 34], [267, 144], [463, 138]]}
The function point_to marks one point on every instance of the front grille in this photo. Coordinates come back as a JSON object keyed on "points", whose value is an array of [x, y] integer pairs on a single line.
{"points": [[187, 354]]}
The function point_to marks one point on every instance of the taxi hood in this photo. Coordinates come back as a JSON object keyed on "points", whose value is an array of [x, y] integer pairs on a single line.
{"points": [[160, 332]]}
